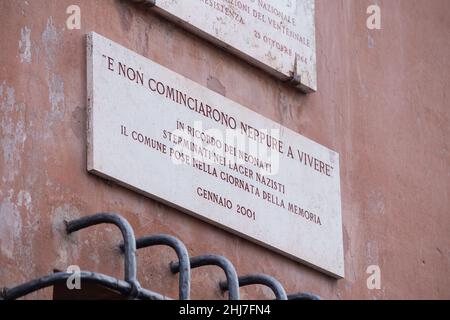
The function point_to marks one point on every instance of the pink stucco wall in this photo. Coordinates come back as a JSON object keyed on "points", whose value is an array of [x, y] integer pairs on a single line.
{"points": [[382, 103]]}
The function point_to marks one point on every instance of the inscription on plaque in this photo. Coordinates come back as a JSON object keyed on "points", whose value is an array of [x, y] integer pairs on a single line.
{"points": [[169, 138], [275, 35]]}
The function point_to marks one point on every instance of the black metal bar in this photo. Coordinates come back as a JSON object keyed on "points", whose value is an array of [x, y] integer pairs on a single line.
{"points": [[131, 287], [263, 279], [216, 260], [91, 277], [149, 3], [183, 258], [295, 78], [128, 237], [303, 296]]}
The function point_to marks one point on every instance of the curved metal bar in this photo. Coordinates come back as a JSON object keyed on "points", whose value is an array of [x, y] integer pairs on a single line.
{"points": [[149, 3], [183, 258], [303, 296], [263, 279], [128, 237], [92, 277], [216, 260]]}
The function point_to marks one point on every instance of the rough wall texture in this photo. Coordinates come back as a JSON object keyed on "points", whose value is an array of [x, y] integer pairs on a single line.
{"points": [[382, 103]]}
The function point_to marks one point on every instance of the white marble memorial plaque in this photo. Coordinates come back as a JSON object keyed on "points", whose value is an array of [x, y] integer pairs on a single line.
{"points": [[275, 35], [167, 137]]}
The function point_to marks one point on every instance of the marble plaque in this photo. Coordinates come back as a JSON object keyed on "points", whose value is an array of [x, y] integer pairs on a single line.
{"points": [[275, 35], [160, 134]]}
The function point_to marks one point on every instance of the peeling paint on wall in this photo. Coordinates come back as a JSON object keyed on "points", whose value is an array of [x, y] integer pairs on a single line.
{"points": [[66, 246], [24, 199], [53, 43], [12, 131], [372, 252], [25, 45], [376, 202], [56, 96], [50, 39], [10, 226]]}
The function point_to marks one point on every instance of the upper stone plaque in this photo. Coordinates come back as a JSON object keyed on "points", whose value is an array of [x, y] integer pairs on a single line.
{"points": [[275, 35]]}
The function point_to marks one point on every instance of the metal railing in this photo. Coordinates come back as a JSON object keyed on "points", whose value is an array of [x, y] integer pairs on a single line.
{"points": [[130, 287]]}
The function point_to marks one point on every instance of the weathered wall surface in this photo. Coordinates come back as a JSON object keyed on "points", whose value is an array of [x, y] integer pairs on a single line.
{"points": [[382, 103]]}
